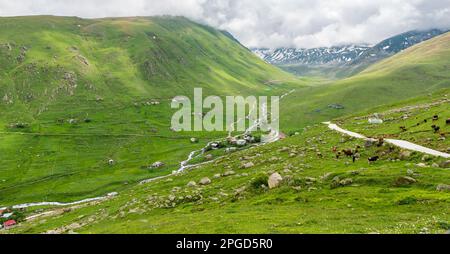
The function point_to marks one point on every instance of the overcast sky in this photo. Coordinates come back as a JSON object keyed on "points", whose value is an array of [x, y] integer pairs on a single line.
{"points": [[267, 23]]}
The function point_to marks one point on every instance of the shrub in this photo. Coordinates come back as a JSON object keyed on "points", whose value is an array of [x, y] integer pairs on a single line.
{"points": [[258, 182], [407, 201]]}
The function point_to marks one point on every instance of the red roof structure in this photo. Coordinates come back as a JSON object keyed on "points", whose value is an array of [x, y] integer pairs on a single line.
{"points": [[9, 223]]}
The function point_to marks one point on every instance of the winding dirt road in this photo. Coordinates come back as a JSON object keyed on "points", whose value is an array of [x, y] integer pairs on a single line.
{"points": [[399, 143]]}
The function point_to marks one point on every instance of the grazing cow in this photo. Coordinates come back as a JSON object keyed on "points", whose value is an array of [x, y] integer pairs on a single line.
{"points": [[373, 159], [447, 121], [380, 142], [435, 128], [403, 128], [355, 157], [435, 118], [338, 154], [348, 152]]}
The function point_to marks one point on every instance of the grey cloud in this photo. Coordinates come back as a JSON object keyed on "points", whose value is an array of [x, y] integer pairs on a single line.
{"points": [[267, 23]]}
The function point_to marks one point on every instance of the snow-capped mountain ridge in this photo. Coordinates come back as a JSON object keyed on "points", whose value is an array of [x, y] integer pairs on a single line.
{"points": [[346, 55], [315, 56]]}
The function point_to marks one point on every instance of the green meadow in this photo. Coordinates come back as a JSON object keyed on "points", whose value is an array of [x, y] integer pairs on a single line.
{"points": [[85, 111]]}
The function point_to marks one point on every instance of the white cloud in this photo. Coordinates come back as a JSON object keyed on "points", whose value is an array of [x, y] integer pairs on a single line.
{"points": [[267, 23]]}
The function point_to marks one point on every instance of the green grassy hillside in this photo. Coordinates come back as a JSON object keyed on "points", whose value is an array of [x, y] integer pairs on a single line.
{"points": [[75, 93], [319, 193], [423, 68]]}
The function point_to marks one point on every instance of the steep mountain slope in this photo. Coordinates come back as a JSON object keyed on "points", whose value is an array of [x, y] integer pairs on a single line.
{"points": [[320, 193], [392, 46], [420, 69], [85, 103], [338, 62]]}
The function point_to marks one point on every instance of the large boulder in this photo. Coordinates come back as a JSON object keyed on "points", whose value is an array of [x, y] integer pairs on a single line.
{"points": [[274, 180]]}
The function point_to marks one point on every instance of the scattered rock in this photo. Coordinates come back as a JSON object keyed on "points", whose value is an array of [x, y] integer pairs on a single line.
{"points": [[240, 191], [248, 165], [194, 140], [311, 179], [229, 173], [405, 154], [241, 142], [443, 187], [191, 184], [445, 164], [426, 158], [337, 182], [284, 149], [72, 121], [209, 156], [230, 149], [157, 164], [216, 176], [326, 176], [375, 121], [369, 143], [274, 159], [405, 180], [274, 180], [205, 181], [336, 106], [345, 182], [421, 165]]}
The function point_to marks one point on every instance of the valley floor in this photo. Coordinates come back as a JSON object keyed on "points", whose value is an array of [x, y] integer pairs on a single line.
{"points": [[319, 194]]}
